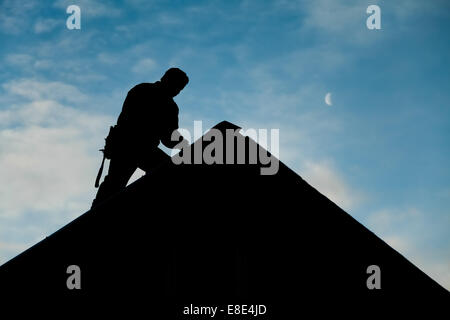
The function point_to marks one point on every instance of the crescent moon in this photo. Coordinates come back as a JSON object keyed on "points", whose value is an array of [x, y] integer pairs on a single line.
{"points": [[328, 100]]}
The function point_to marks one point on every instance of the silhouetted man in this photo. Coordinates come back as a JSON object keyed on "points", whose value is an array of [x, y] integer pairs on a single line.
{"points": [[149, 116]]}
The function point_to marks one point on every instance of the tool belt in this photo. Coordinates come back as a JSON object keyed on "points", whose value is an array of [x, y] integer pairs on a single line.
{"points": [[108, 150]]}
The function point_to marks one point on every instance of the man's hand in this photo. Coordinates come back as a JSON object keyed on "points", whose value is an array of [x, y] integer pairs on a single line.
{"points": [[176, 141]]}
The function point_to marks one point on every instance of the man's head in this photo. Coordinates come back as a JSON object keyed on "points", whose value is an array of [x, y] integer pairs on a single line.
{"points": [[174, 80]]}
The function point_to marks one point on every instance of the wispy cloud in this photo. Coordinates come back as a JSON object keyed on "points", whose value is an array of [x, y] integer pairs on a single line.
{"points": [[328, 181], [107, 58], [19, 59], [14, 15], [9, 249], [37, 90], [144, 66], [47, 25], [92, 8], [409, 232], [48, 155]]}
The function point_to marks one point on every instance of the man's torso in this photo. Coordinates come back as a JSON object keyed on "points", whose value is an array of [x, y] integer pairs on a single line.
{"points": [[147, 114]]}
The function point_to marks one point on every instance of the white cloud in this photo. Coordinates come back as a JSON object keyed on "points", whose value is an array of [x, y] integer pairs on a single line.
{"points": [[398, 242], [19, 59], [26, 63], [37, 90], [325, 179], [106, 58], [435, 266], [335, 16], [167, 19], [48, 158], [144, 66], [384, 220], [45, 167], [444, 193], [14, 15], [11, 246], [345, 21], [9, 249], [405, 230], [47, 25]]}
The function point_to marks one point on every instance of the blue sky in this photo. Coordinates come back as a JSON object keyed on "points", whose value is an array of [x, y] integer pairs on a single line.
{"points": [[381, 151]]}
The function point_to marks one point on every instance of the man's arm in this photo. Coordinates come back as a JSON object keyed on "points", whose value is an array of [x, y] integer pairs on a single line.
{"points": [[170, 136], [175, 140]]}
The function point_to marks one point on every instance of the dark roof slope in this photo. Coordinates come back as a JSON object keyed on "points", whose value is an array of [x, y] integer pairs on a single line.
{"points": [[198, 233]]}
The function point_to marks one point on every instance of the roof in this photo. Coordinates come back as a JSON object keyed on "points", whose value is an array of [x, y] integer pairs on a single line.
{"points": [[221, 233]]}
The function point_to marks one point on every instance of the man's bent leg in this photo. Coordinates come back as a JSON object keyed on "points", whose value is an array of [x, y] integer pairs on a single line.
{"points": [[119, 172], [153, 159]]}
